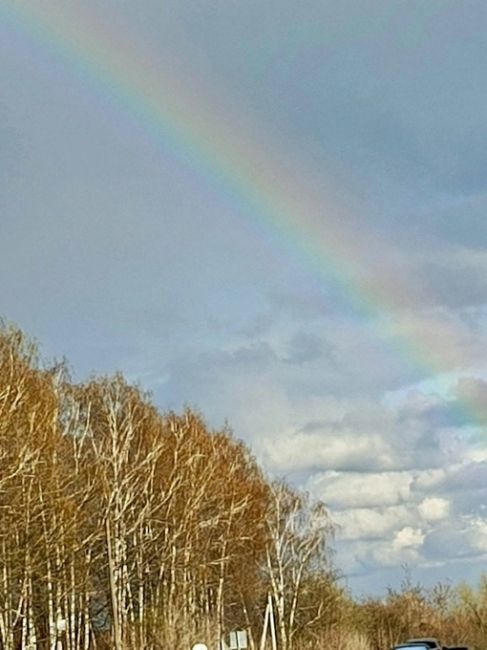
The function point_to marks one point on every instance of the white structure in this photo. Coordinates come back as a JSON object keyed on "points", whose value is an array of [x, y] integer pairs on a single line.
{"points": [[238, 640]]}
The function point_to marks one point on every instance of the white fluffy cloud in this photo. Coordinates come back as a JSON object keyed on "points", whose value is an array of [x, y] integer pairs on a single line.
{"points": [[378, 523], [358, 490], [408, 537], [434, 508], [326, 450]]}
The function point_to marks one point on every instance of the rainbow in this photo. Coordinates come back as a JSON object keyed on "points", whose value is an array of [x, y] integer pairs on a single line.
{"points": [[293, 206]]}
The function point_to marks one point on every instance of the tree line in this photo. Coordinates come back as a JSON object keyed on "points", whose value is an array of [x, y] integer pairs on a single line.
{"points": [[123, 527]]}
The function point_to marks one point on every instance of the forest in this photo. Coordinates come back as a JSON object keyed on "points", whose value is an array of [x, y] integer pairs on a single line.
{"points": [[124, 527]]}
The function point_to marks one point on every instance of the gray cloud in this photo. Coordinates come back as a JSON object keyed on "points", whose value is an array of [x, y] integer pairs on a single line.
{"points": [[305, 347], [457, 277]]}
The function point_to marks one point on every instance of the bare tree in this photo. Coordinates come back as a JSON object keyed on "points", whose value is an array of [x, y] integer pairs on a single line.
{"points": [[298, 538]]}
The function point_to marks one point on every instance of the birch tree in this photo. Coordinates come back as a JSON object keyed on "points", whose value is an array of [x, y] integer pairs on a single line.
{"points": [[298, 539]]}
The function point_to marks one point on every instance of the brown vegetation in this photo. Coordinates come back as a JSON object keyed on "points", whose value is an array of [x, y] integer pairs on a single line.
{"points": [[124, 528]]}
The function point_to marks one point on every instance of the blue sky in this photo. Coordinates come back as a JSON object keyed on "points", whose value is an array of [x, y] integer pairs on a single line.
{"points": [[118, 254]]}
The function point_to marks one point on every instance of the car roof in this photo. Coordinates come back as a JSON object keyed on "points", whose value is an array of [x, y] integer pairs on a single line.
{"points": [[425, 643]]}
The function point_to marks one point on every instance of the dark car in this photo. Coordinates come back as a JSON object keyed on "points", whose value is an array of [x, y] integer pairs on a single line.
{"points": [[426, 644], [419, 644]]}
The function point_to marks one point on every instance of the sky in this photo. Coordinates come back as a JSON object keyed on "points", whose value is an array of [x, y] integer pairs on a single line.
{"points": [[271, 211]]}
